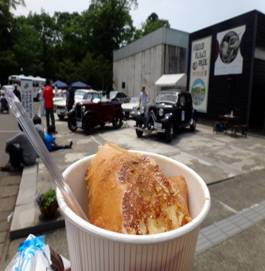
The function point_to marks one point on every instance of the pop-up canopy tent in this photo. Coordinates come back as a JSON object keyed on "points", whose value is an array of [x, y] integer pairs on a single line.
{"points": [[59, 84], [178, 80], [79, 84]]}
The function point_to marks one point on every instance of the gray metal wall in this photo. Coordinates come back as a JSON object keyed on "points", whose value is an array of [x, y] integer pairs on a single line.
{"points": [[143, 61], [143, 68]]}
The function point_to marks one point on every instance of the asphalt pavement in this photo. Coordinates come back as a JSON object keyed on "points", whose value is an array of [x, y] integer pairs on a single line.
{"points": [[233, 234]]}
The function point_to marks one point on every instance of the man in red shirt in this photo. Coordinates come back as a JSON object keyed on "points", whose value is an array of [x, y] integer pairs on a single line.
{"points": [[48, 94]]}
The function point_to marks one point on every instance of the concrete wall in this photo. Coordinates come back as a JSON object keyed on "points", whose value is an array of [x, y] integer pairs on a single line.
{"points": [[142, 68], [143, 61]]}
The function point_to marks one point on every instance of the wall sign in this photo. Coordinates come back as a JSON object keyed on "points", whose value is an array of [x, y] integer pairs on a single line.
{"points": [[199, 72], [229, 60], [27, 96]]}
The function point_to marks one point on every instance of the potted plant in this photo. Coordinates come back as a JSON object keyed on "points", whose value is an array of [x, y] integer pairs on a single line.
{"points": [[48, 205]]}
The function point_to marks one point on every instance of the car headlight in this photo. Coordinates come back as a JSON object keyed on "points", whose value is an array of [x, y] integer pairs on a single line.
{"points": [[161, 112], [83, 108], [168, 115]]}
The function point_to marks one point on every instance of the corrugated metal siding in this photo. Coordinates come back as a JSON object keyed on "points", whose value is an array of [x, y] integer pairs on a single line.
{"points": [[260, 40], [175, 60], [257, 117], [161, 36], [140, 69]]}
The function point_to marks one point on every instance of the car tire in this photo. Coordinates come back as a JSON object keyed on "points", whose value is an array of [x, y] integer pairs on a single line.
{"points": [[117, 122], [139, 133], [61, 117], [88, 128], [72, 125], [193, 125], [87, 124], [169, 133]]}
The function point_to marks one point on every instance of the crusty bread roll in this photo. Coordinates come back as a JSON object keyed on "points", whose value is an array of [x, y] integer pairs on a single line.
{"points": [[128, 193]]}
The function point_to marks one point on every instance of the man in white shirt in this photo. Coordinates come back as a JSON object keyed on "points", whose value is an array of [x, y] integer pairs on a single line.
{"points": [[143, 101]]}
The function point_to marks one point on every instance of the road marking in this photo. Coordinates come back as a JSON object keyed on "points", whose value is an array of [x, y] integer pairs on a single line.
{"points": [[228, 207], [99, 143]]}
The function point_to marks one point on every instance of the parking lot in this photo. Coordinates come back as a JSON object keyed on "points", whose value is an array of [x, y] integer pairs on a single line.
{"points": [[232, 166], [215, 157]]}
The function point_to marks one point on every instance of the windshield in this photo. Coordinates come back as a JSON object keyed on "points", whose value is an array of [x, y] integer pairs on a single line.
{"points": [[167, 97], [134, 100], [60, 93], [79, 94], [91, 96]]}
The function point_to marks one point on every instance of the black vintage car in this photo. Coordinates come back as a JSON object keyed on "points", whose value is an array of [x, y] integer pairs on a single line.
{"points": [[172, 110], [87, 115]]}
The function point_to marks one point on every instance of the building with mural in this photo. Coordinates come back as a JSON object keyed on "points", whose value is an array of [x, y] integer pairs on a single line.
{"points": [[226, 69]]}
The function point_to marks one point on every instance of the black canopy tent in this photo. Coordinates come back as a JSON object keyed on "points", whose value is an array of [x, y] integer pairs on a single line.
{"points": [[60, 84], [79, 85]]}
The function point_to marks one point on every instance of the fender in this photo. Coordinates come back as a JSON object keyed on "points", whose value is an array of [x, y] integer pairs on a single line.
{"points": [[71, 113], [88, 112]]}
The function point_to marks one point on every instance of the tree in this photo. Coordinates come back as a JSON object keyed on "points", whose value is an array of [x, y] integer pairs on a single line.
{"points": [[27, 47], [109, 26], [151, 24], [66, 46], [14, 3]]}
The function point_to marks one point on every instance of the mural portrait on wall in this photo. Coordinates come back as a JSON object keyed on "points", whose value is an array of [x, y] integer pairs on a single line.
{"points": [[229, 59], [229, 47]]}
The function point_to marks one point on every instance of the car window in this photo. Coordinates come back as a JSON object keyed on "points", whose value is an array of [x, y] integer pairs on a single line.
{"points": [[134, 100], [112, 94], [167, 97], [121, 95], [79, 94], [182, 100]]}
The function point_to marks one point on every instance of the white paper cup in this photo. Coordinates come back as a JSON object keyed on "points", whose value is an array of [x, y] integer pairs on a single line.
{"points": [[94, 249]]}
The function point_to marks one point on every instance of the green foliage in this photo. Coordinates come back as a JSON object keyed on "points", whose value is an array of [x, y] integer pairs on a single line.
{"points": [[8, 4], [47, 199], [68, 46], [151, 24]]}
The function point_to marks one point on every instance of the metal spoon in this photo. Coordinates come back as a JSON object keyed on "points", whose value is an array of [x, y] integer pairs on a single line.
{"points": [[21, 115]]}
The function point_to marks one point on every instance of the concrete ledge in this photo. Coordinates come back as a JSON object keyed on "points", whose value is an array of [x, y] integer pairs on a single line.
{"points": [[26, 214]]}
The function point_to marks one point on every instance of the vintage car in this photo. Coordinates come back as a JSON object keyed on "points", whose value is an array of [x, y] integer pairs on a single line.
{"points": [[171, 111], [87, 115], [129, 107], [80, 95], [117, 96]]}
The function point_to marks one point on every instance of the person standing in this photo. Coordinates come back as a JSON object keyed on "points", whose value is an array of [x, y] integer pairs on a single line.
{"points": [[17, 93], [48, 95], [143, 101], [70, 98]]}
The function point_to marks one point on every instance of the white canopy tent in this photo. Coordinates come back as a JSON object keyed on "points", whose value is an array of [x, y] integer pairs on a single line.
{"points": [[172, 80]]}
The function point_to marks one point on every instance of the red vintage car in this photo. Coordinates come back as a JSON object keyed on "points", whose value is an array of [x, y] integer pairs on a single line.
{"points": [[87, 115]]}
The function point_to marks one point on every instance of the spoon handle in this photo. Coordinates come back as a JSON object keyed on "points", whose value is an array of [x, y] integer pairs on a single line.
{"points": [[22, 117]]}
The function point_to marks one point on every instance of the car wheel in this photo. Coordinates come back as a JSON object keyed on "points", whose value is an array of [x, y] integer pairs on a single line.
{"points": [[87, 124], [117, 122], [139, 133], [72, 125], [169, 133], [88, 128], [61, 117], [193, 125]]}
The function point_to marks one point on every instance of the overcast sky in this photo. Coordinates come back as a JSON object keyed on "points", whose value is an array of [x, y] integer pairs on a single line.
{"points": [[187, 15]]}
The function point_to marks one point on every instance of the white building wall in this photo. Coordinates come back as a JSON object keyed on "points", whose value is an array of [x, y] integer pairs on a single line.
{"points": [[142, 68]]}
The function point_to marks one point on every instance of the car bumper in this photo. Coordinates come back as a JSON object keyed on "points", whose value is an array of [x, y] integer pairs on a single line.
{"points": [[151, 130], [61, 111]]}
